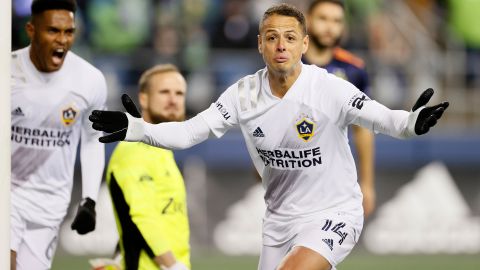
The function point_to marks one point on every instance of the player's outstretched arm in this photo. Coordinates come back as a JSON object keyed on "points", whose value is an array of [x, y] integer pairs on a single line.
{"points": [[114, 122], [131, 127], [426, 117], [398, 123]]}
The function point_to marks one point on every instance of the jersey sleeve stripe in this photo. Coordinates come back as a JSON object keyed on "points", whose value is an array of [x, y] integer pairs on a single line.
{"points": [[242, 95], [253, 92]]}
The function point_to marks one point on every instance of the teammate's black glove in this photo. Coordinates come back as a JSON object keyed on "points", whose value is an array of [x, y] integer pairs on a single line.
{"points": [[114, 122], [84, 221], [427, 117]]}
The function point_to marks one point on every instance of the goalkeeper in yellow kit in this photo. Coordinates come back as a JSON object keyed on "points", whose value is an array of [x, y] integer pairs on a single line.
{"points": [[146, 186]]}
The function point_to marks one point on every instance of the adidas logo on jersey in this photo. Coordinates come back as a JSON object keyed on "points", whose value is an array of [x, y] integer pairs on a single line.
{"points": [[258, 132], [329, 243], [18, 112]]}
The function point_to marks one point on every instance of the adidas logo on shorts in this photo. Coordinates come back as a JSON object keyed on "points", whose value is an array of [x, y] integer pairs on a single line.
{"points": [[258, 132], [329, 243]]}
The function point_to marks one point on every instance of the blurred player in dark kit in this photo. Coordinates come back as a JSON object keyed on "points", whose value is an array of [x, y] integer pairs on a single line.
{"points": [[326, 23]]}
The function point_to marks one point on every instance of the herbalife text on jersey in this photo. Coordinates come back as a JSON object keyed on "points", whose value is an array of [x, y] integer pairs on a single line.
{"points": [[41, 137], [291, 158]]}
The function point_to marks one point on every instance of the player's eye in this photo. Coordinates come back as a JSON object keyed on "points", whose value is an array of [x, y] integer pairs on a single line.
{"points": [[70, 31], [321, 18], [52, 30], [163, 91]]}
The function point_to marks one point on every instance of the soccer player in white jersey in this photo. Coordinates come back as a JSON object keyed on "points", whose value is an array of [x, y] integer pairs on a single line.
{"points": [[294, 118], [53, 92]]}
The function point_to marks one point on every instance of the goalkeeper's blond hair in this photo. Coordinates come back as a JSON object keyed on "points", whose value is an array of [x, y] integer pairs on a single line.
{"points": [[143, 83]]}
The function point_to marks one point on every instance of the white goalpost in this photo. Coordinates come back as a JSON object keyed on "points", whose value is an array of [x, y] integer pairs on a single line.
{"points": [[5, 48]]}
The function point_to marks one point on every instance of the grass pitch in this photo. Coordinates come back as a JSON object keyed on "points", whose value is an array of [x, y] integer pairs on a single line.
{"points": [[356, 261]]}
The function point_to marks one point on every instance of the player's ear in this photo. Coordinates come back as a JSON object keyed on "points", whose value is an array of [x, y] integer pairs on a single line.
{"points": [[306, 41], [143, 99], [259, 40], [30, 29]]}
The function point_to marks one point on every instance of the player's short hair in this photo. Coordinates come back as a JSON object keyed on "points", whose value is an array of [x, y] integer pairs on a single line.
{"points": [[143, 83], [285, 10], [39, 6], [314, 3]]}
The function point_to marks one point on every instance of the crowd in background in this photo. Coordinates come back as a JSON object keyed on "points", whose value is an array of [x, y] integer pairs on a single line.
{"points": [[408, 46]]}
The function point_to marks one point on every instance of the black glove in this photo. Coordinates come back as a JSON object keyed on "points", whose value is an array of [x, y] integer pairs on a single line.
{"points": [[84, 221], [114, 122], [427, 117]]}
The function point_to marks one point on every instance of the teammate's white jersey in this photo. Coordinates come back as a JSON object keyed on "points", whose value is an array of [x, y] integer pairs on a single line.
{"points": [[299, 144], [49, 117]]}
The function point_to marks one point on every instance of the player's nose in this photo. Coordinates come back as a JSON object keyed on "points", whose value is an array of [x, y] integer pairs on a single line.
{"points": [[281, 45], [281, 48], [61, 38]]}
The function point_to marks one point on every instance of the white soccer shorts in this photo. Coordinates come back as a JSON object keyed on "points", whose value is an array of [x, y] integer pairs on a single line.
{"points": [[34, 244], [333, 237]]}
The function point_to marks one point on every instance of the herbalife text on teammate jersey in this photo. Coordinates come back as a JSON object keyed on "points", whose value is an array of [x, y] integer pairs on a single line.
{"points": [[40, 137], [289, 159]]}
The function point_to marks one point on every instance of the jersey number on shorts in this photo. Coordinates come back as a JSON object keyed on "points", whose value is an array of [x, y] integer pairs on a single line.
{"points": [[336, 229]]}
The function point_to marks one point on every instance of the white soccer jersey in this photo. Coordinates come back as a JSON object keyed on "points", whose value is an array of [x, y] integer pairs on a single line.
{"points": [[299, 143], [49, 117]]}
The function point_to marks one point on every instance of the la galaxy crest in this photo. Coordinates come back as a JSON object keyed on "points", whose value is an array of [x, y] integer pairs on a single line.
{"points": [[69, 115], [305, 128]]}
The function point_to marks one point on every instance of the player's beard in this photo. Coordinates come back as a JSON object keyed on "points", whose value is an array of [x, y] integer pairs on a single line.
{"points": [[322, 46], [157, 118]]}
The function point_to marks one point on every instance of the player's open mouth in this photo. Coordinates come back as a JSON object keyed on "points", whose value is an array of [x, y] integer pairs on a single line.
{"points": [[58, 55]]}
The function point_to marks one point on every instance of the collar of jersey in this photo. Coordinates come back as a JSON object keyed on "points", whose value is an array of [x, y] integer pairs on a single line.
{"points": [[291, 91]]}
